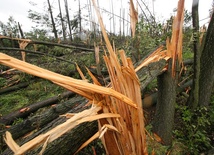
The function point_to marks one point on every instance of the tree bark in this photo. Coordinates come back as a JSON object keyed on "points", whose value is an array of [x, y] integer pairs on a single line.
{"points": [[13, 88], [67, 143], [194, 95], [52, 20], [39, 121], [8, 119], [68, 19], [151, 100], [62, 21], [20, 30], [206, 79], [165, 108]]}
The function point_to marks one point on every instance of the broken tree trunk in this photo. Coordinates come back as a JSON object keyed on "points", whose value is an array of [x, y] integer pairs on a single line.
{"points": [[38, 121], [67, 143], [26, 111]]}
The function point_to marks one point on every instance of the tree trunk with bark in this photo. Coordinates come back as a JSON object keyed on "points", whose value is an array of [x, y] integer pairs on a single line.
{"points": [[38, 121], [68, 19], [67, 143], [194, 95], [52, 20], [26, 111], [62, 22], [165, 108], [206, 78]]}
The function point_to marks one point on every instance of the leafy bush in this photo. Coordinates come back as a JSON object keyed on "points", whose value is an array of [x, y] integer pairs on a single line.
{"points": [[194, 128]]}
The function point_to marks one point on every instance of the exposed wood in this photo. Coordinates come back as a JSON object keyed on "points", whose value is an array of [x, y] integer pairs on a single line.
{"points": [[36, 122], [26, 111], [167, 82], [67, 143], [148, 73]]}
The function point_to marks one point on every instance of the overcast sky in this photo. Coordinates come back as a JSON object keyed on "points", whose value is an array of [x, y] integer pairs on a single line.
{"points": [[163, 9]]}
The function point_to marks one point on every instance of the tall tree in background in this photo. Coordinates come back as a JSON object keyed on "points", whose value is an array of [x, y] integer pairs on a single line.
{"points": [[206, 78], [68, 19], [80, 19], [62, 21], [52, 20]]}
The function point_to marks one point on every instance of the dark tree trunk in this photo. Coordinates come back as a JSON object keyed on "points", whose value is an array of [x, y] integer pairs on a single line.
{"points": [[62, 21], [52, 20], [13, 88], [8, 119], [20, 30], [67, 143], [165, 108], [39, 121], [68, 19], [194, 95], [206, 79]]}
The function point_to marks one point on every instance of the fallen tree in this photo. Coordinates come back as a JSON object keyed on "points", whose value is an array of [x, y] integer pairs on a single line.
{"points": [[24, 112], [38, 121], [14, 88], [69, 142]]}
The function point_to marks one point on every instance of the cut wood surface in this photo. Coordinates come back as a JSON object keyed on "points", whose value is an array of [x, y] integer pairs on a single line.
{"points": [[25, 111]]}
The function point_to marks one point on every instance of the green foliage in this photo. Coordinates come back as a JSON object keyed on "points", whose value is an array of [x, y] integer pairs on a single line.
{"points": [[193, 128], [10, 28], [2, 82], [12, 102], [17, 121]]}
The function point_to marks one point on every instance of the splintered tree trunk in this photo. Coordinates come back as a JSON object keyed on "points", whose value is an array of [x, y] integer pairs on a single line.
{"points": [[67, 143], [206, 79], [165, 108]]}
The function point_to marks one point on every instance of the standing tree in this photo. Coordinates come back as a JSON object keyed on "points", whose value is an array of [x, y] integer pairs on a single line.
{"points": [[52, 20], [68, 19], [193, 100], [206, 78], [62, 21], [167, 82]]}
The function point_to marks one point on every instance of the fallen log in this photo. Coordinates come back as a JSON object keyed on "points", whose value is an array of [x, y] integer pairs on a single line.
{"points": [[148, 73], [39, 121], [152, 99], [26, 111], [13, 88], [67, 143]]}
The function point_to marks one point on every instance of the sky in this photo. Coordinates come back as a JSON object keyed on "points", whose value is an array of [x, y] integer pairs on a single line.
{"points": [[163, 9]]}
